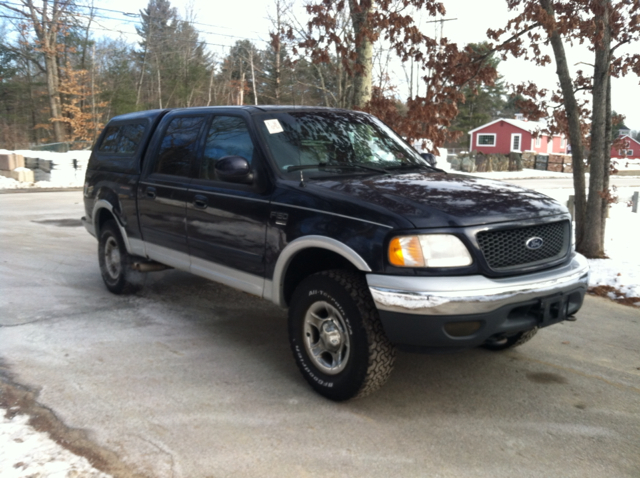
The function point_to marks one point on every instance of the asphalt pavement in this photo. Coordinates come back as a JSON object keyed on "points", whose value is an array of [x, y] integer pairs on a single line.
{"points": [[192, 379]]}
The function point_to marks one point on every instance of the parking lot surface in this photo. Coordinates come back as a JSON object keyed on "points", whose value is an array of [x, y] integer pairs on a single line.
{"points": [[192, 379]]}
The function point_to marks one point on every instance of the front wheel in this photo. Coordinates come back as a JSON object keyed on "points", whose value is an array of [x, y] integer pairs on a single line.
{"points": [[336, 336], [115, 261]]}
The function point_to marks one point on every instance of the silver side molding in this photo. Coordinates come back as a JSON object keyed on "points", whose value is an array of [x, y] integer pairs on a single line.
{"points": [[306, 242], [243, 281], [226, 275], [169, 257]]}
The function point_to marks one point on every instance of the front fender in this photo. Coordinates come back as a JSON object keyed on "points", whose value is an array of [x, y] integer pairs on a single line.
{"points": [[276, 294]]}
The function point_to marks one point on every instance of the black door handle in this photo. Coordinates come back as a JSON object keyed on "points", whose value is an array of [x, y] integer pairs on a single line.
{"points": [[200, 202], [151, 192]]}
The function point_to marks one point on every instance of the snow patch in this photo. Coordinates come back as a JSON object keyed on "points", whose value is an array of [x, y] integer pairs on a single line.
{"points": [[27, 453]]}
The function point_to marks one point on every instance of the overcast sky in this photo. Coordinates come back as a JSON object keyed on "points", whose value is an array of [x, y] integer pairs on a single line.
{"points": [[227, 22]]}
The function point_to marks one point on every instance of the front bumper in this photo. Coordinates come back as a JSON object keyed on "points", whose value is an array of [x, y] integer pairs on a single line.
{"points": [[417, 310]]}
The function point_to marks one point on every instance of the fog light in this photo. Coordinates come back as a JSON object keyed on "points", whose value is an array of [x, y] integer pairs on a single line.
{"points": [[462, 329]]}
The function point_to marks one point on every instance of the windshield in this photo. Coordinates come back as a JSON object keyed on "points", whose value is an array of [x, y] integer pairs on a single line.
{"points": [[322, 143]]}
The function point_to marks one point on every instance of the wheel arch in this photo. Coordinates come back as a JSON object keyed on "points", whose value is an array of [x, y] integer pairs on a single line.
{"points": [[308, 255], [104, 211]]}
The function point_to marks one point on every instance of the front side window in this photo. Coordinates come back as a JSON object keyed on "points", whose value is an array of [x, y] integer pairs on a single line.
{"points": [[227, 136], [327, 142], [486, 140], [179, 146]]}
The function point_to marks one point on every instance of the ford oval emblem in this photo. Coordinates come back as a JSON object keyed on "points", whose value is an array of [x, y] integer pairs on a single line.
{"points": [[534, 243]]}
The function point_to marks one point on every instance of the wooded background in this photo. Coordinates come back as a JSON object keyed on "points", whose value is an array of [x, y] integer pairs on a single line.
{"points": [[63, 74]]}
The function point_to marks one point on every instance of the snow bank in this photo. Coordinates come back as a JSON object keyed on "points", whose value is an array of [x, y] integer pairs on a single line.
{"points": [[51, 169], [622, 269]]}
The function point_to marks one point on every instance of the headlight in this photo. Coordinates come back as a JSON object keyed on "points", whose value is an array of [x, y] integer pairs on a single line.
{"points": [[428, 250]]}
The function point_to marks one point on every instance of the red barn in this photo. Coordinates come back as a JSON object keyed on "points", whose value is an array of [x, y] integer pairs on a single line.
{"points": [[625, 147], [506, 135]]}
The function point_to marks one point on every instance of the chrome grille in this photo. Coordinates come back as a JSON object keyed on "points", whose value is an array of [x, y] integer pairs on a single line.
{"points": [[505, 249]]}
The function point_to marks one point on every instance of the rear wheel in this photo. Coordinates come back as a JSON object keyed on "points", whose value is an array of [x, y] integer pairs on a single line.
{"points": [[336, 336], [115, 261], [507, 342]]}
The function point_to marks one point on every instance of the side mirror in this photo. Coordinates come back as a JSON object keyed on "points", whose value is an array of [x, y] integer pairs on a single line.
{"points": [[430, 158], [234, 169]]}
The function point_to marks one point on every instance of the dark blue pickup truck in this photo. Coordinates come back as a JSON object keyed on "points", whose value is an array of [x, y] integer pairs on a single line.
{"points": [[331, 214]]}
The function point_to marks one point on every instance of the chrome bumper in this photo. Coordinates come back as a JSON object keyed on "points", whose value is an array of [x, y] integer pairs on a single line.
{"points": [[472, 294]]}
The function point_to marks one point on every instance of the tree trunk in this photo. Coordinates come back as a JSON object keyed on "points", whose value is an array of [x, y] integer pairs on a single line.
{"points": [[278, 49], [607, 161], [253, 80], [53, 91], [210, 85], [575, 132], [159, 82], [94, 115], [322, 85], [341, 101], [144, 65], [241, 92], [278, 73], [363, 74], [593, 246]]}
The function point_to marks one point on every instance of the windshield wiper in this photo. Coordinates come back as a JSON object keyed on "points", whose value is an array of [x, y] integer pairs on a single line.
{"points": [[300, 167]]}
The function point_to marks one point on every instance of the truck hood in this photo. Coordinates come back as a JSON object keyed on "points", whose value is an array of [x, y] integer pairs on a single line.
{"points": [[445, 200]]}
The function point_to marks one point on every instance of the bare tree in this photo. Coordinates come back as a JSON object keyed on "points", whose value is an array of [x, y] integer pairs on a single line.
{"points": [[605, 26], [48, 21]]}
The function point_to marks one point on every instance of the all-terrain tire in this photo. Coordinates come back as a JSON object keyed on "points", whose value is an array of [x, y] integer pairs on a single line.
{"points": [[115, 262], [504, 343], [336, 336]]}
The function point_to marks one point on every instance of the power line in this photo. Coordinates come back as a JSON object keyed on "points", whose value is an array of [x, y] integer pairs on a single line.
{"points": [[102, 28], [131, 19]]}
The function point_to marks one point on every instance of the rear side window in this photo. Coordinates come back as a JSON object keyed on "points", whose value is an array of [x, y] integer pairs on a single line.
{"points": [[179, 146], [110, 141], [130, 137], [122, 139]]}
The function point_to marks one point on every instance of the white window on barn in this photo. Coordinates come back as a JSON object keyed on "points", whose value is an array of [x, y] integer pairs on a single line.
{"points": [[538, 141], [488, 139], [516, 142], [563, 142], [629, 152]]}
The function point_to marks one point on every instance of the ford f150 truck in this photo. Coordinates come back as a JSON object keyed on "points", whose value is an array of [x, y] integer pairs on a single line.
{"points": [[332, 215]]}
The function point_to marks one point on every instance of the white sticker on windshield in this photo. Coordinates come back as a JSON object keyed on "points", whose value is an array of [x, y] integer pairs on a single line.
{"points": [[274, 126]]}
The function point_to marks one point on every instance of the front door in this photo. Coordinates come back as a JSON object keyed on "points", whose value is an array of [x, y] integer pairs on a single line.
{"points": [[226, 222]]}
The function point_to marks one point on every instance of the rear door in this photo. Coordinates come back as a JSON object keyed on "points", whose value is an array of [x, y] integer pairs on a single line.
{"points": [[163, 190], [226, 222]]}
